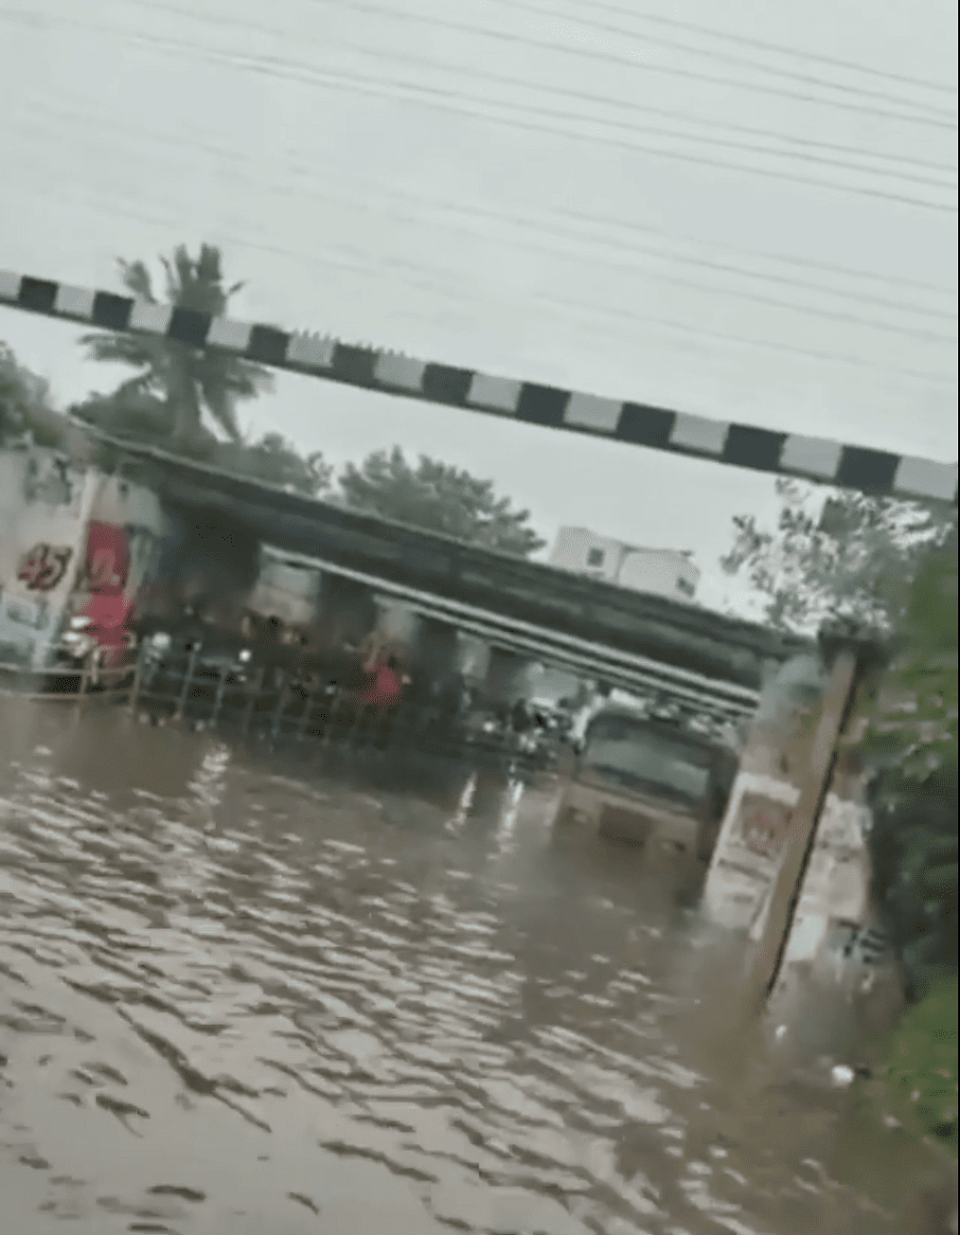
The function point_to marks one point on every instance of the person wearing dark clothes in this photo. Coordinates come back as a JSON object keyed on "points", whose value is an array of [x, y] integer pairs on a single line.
{"points": [[519, 717]]}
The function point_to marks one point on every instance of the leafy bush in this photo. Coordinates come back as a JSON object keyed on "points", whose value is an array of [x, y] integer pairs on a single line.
{"points": [[922, 1069], [911, 744]]}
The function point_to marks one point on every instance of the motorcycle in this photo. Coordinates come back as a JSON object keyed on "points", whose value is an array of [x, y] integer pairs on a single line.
{"points": [[80, 651]]}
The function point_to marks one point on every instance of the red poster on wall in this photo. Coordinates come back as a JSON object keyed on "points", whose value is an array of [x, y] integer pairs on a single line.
{"points": [[108, 559], [107, 571]]}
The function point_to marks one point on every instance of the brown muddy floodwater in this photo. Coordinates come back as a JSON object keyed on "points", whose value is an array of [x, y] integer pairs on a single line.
{"points": [[242, 997]]}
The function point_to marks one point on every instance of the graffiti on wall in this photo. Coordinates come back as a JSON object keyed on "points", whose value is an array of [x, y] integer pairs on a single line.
{"points": [[43, 567]]}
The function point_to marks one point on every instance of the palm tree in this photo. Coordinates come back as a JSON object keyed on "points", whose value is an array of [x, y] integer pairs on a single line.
{"points": [[184, 379]]}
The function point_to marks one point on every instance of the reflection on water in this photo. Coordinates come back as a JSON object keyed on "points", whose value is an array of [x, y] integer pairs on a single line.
{"points": [[242, 997]]}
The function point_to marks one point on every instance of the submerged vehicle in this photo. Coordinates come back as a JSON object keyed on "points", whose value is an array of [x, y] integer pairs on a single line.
{"points": [[642, 779]]}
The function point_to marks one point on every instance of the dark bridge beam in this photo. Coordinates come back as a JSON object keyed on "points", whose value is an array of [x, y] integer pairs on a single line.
{"points": [[674, 634]]}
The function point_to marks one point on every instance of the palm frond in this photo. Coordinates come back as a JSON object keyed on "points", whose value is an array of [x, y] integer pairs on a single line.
{"points": [[242, 378], [207, 269], [136, 277], [121, 349], [174, 290], [220, 405]]}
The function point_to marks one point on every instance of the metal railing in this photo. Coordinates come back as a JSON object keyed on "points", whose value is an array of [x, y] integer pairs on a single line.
{"points": [[91, 680], [203, 690]]}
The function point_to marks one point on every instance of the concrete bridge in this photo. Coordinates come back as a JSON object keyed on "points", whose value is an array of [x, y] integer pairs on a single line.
{"points": [[524, 610]]}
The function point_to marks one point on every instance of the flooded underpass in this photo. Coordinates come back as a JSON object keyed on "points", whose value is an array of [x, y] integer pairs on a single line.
{"points": [[245, 995]]}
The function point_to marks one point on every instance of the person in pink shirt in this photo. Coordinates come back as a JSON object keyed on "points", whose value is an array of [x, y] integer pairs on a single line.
{"points": [[384, 688]]}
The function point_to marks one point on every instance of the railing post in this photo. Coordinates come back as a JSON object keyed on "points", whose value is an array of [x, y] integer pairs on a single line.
{"points": [[187, 681], [310, 696], [82, 675], [332, 703], [256, 685], [218, 698], [278, 711], [137, 680]]}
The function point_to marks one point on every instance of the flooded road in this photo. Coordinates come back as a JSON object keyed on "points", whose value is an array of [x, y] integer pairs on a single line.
{"points": [[243, 997]]}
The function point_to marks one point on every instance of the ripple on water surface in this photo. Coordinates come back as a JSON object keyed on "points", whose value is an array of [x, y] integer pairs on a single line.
{"points": [[238, 1001]]}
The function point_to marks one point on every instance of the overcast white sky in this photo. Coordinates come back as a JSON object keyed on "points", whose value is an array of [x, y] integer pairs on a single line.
{"points": [[608, 195]]}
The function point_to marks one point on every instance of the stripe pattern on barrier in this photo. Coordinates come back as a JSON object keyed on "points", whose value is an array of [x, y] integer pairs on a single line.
{"points": [[790, 454]]}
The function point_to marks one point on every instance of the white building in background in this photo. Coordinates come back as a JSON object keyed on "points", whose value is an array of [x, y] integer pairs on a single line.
{"points": [[663, 572]]}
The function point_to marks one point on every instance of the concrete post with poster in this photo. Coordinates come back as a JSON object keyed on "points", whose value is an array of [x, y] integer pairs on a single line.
{"points": [[791, 868], [76, 544], [45, 505]]}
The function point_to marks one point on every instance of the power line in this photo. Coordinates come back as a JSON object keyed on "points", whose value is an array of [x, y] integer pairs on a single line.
{"points": [[779, 48], [137, 129], [801, 262], [273, 67], [607, 57], [555, 303], [691, 117], [606, 100], [727, 58], [828, 314], [363, 6], [540, 225], [375, 86]]}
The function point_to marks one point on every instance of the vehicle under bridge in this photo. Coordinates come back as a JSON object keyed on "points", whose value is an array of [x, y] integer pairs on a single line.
{"points": [[701, 660]]}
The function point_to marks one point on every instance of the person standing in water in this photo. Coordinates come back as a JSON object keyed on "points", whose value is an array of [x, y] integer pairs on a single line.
{"points": [[382, 694]]}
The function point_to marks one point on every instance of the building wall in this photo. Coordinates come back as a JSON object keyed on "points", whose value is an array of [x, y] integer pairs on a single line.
{"points": [[663, 572], [578, 549], [44, 507], [47, 509]]}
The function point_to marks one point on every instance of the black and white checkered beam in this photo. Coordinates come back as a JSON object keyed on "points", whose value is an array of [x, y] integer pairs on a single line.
{"points": [[789, 454]]}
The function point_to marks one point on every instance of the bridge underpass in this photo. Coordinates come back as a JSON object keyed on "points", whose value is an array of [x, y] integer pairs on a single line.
{"points": [[710, 662], [702, 662], [514, 602]]}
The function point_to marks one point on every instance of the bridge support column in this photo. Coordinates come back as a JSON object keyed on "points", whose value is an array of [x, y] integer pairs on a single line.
{"points": [[347, 611], [436, 649], [507, 676], [396, 625]]}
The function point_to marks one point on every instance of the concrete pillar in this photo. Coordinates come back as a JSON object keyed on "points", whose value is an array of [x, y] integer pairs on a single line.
{"points": [[507, 674], [347, 611], [475, 656], [395, 627], [436, 649], [767, 788]]}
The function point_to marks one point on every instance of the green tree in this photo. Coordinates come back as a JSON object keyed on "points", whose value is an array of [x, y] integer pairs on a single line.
{"points": [[186, 380], [910, 744], [276, 461], [854, 558], [922, 1066], [25, 405], [440, 498], [131, 412]]}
